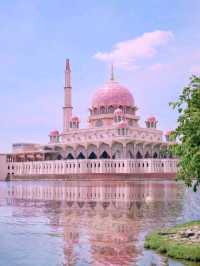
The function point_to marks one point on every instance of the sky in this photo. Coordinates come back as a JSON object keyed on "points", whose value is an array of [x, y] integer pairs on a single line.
{"points": [[154, 46]]}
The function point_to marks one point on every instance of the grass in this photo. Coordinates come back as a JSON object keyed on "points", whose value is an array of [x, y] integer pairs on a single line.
{"points": [[161, 241]]}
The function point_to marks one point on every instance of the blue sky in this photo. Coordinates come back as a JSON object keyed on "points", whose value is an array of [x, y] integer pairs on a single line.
{"points": [[37, 36]]}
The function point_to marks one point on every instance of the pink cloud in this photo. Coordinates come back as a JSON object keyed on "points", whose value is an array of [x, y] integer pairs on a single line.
{"points": [[126, 54], [156, 67]]}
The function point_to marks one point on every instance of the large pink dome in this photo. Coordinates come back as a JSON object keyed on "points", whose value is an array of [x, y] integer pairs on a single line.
{"points": [[112, 93]]}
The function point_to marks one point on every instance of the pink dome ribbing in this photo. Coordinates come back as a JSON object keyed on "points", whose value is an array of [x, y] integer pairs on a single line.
{"points": [[112, 93]]}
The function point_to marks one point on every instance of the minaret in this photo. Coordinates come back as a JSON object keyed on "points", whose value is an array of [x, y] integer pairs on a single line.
{"points": [[67, 108]]}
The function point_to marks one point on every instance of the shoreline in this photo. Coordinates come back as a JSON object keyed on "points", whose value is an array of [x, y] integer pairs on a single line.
{"points": [[178, 242], [96, 177]]}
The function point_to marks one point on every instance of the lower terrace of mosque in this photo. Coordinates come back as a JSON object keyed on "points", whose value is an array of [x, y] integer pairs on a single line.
{"points": [[110, 143], [87, 153]]}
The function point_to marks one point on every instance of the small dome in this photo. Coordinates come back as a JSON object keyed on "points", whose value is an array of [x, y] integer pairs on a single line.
{"points": [[151, 119], [122, 124], [118, 112], [112, 94], [75, 119], [54, 133]]}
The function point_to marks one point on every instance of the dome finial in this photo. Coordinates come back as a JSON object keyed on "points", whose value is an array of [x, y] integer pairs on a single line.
{"points": [[112, 72]]}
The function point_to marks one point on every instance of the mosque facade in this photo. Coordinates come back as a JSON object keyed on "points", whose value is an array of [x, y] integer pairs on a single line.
{"points": [[113, 135]]}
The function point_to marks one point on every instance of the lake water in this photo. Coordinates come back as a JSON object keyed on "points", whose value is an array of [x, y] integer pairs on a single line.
{"points": [[53, 223]]}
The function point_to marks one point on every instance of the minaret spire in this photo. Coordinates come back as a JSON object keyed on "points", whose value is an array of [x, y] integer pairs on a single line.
{"points": [[67, 74], [67, 108], [112, 72]]}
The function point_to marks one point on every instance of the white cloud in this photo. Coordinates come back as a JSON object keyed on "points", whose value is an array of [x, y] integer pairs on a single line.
{"points": [[126, 54]]}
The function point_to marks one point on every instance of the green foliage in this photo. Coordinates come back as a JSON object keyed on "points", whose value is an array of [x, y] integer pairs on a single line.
{"points": [[161, 241], [187, 133]]}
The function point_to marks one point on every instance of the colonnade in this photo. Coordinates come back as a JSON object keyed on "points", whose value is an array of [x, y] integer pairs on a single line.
{"points": [[115, 150]]}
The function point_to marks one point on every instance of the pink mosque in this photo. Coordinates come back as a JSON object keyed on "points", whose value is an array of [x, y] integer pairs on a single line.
{"points": [[112, 143]]}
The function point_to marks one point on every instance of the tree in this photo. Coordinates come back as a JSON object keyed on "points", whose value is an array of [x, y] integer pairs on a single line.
{"points": [[187, 133]]}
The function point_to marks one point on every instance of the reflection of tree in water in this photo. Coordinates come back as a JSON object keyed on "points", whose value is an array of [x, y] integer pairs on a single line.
{"points": [[105, 220]]}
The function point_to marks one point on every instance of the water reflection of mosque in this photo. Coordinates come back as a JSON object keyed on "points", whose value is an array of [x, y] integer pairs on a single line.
{"points": [[101, 221]]}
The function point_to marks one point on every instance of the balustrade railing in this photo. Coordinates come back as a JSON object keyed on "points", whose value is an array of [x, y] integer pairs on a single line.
{"points": [[86, 166]]}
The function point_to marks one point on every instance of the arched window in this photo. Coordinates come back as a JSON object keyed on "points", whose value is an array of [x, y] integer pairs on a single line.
{"points": [[130, 122], [99, 123], [95, 111], [121, 107], [128, 110], [102, 110]]}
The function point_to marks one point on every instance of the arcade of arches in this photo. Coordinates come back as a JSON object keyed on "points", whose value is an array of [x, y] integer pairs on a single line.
{"points": [[115, 150]]}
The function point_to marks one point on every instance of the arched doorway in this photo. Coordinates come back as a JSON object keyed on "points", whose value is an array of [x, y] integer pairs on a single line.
{"points": [[92, 156], [92, 151], [130, 155], [49, 156], [117, 154], [155, 155], [117, 150], [104, 155], [138, 155], [59, 157], [104, 151], [70, 156], [80, 152], [80, 156], [147, 155]]}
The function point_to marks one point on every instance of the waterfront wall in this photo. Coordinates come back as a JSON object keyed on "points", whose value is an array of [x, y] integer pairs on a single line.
{"points": [[78, 167], [3, 167]]}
